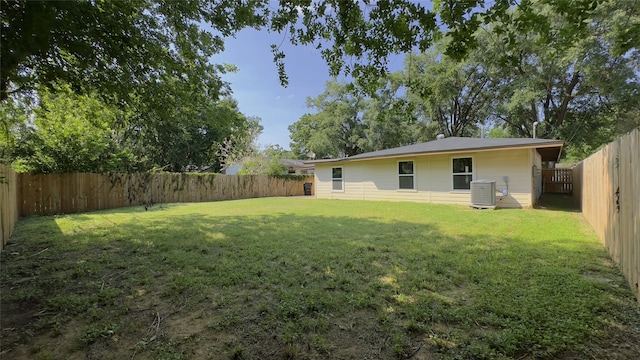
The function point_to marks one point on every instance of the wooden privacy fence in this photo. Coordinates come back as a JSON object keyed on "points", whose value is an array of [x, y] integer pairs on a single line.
{"points": [[47, 194], [557, 181], [608, 186], [8, 202]]}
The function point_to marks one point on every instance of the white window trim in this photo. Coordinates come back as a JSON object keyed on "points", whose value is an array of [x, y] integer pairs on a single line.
{"points": [[414, 189], [472, 173], [340, 178]]}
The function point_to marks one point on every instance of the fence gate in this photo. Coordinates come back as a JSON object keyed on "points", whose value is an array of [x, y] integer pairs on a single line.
{"points": [[557, 181]]}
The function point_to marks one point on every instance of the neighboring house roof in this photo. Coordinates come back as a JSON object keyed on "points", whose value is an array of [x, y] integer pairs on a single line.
{"points": [[295, 163], [548, 149], [299, 164], [290, 163]]}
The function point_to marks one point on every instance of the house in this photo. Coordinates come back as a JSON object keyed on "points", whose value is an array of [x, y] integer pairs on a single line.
{"points": [[440, 171], [297, 167]]}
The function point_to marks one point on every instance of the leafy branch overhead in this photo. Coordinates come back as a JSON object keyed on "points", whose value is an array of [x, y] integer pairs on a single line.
{"points": [[116, 47]]}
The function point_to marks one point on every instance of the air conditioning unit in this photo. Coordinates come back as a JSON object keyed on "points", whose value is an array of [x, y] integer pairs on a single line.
{"points": [[483, 193]]}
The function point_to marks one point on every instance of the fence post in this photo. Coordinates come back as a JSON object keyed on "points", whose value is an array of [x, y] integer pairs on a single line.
{"points": [[9, 206]]}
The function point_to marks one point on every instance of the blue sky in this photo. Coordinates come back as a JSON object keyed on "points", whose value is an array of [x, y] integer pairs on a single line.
{"points": [[257, 87]]}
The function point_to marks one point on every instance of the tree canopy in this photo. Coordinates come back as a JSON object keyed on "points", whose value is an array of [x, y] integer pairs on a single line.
{"points": [[114, 47], [584, 91], [348, 122], [570, 65], [147, 63], [454, 95], [117, 46], [67, 132]]}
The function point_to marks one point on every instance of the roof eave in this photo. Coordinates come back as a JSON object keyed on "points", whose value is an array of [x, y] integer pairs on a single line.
{"points": [[559, 144]]}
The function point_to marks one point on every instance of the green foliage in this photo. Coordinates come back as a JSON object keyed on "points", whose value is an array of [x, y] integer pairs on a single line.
{"points": [[14, 114], [276, 151], [198, 132], [391, 118], [276, 168], [67, 132], [356, 39], [146, 61], [117, 47], [262, 165], [95, 332], [576, 86], [266, 162], [499, 132], [577, 89], [337, 129], [561, 63], [347, 122], [70, 133], [298, 177], [456, 96]]}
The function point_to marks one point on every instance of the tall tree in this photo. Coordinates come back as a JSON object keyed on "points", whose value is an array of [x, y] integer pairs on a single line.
{"points": [[70, 133], [14, 115], [348, 122], [356, 37], [66, 132], [188, 130], [454, 96], [581, 91], [390, 118], [123, 50], [337, 128]]}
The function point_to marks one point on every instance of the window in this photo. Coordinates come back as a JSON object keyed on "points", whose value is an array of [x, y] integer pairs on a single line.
{"points": [[336, 178], [462, 173], [405, 175]]}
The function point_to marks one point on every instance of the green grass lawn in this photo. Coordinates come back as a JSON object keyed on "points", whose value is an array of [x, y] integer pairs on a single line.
{"points": [[311, 279]]}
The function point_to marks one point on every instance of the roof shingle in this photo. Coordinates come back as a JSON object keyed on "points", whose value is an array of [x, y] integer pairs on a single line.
{"points": [[549, 149]]}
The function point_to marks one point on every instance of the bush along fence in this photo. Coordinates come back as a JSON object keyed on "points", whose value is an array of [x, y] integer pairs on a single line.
{"points": [[8, 202], [608, 186], [48, 194]]}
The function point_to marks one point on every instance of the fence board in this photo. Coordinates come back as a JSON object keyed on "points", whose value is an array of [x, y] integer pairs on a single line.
{"points": [[47, 194], [557, 181], [609, 193], [9, 206]]}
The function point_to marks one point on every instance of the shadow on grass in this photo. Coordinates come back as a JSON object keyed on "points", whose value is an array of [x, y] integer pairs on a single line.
{"points": [[558, 202], [127, 282]]}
